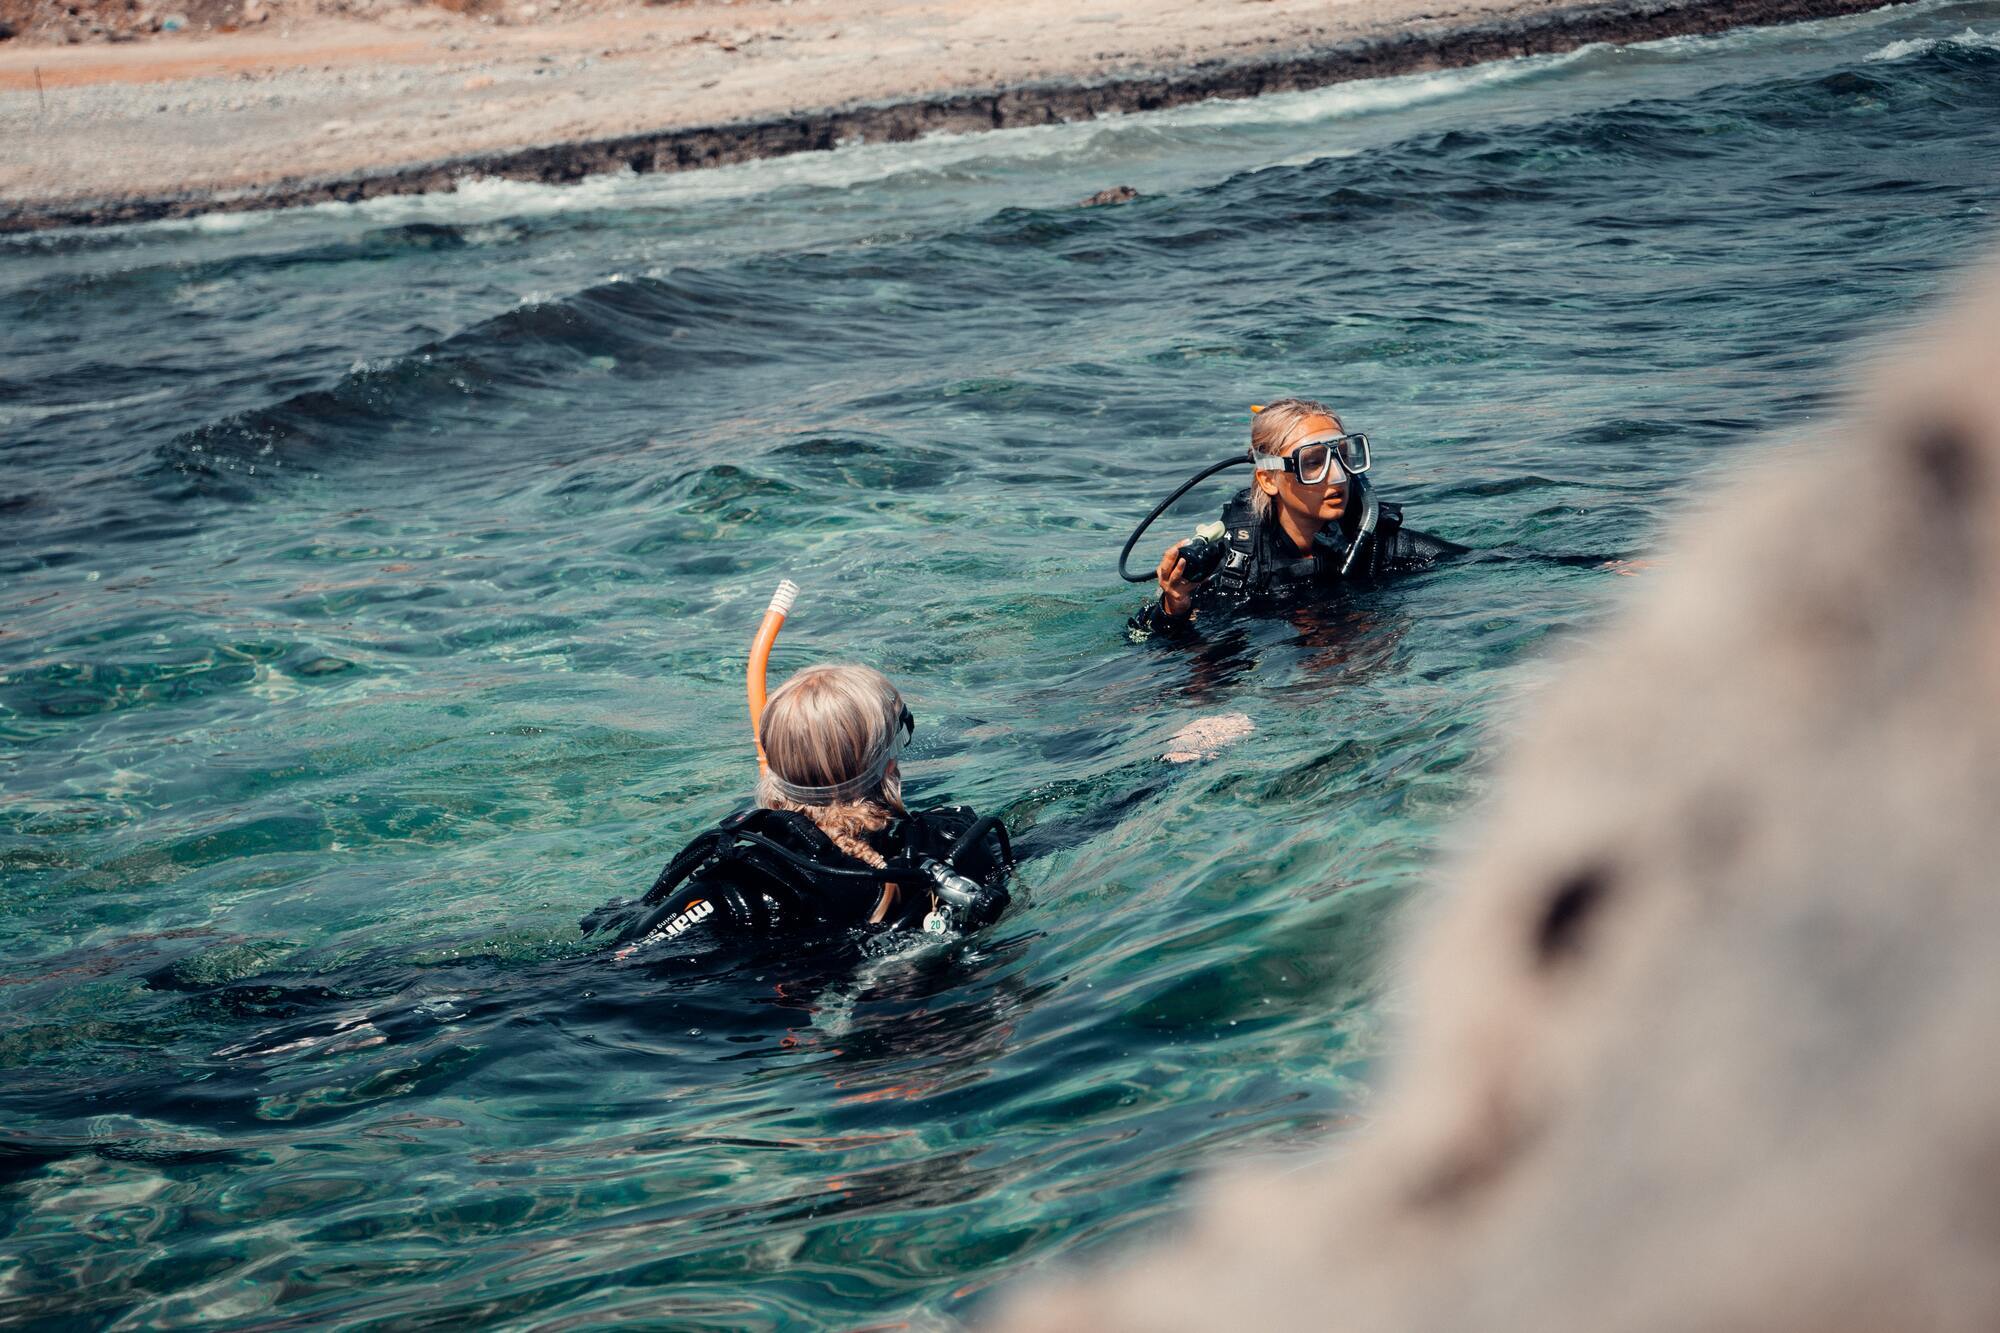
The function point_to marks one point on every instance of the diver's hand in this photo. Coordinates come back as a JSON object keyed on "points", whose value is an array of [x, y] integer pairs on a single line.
{"points": [[1176, 588]]}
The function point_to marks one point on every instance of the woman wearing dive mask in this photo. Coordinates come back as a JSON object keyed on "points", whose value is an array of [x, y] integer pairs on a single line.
{"points": [[1308, 520], [830, 844]]}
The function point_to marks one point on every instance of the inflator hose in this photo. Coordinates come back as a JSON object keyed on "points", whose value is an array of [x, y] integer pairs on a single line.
{"points": [[989, 825], [760, 659], [1161, 508]]}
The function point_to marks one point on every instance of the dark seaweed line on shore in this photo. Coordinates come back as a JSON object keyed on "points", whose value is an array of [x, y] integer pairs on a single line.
{"points": [[1033, 104]]}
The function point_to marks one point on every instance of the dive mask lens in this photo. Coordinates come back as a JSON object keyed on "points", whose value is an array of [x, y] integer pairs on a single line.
{"points": [[1354, 453], [1313, 462]]}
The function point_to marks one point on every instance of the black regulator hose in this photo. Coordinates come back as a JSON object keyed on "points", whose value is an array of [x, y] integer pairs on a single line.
{"points": [[1162, 507], [989, 826]]}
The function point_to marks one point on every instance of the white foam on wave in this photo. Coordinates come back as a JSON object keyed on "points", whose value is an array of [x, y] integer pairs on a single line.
{"points": [[1890, 15], [1368, 97], [1969, 40], [217, 224], [21, 413]]}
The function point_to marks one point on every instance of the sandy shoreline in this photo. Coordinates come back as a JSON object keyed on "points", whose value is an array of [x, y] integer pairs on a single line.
{"points": [[345, 111]]}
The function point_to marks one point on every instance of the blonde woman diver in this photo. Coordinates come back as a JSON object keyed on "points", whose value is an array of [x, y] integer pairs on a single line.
{"points": [[1308, 522], [830, 844]]}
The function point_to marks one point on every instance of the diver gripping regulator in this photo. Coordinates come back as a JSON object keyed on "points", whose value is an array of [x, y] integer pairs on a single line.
{"points": [[1203, 553], [1342, 457]]}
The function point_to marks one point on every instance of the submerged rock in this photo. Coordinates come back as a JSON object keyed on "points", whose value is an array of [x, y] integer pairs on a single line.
{"points": [[323, 666], [1117, 194], [1702, 1033], [1205, 737], [220, 965]]}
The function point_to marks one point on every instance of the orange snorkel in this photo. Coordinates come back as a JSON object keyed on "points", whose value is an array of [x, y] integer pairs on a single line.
{"points": [[760, 658]]}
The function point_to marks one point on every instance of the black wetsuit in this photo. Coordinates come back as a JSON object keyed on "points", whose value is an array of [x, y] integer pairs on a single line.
{"points": [[1263, 569], [766, 873]]}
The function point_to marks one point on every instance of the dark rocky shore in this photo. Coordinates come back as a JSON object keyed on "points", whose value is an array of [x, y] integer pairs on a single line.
{"points": [[1431, 45]]}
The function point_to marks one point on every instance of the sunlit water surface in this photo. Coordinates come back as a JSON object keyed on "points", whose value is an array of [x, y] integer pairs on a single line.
{"points": [[375, 581]]}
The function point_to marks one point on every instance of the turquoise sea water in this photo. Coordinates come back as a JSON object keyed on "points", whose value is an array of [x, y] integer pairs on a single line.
{"points": [[375, 582]]}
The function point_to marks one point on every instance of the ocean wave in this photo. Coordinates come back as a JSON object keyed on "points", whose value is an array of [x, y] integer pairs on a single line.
{"points": [[1969, 40], [21, 414], [628, 346], [418, 405], [1368, 97]]}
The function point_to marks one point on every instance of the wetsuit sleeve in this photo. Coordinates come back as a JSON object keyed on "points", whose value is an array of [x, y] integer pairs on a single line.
{"points": [[705, 910], [1420, 550], [1149, 621]]}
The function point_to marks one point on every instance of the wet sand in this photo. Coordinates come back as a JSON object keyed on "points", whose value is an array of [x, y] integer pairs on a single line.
{"points": [[330, 110]]}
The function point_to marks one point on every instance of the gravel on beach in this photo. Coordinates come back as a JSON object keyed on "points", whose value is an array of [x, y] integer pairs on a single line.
{"points": [[308, 108]]}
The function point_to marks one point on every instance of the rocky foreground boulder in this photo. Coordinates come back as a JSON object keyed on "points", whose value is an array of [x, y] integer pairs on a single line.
{"points": [[1706, 1033]]}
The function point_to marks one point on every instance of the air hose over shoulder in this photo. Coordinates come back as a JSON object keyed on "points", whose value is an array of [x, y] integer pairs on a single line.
{"points": [[1239, 460], [987, 827], [760, 660], [1371, 513]]}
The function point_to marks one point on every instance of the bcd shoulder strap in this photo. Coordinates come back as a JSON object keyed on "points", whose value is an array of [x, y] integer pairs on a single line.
{"points": [[1386, 528], [746, 836], [1243, 531]]}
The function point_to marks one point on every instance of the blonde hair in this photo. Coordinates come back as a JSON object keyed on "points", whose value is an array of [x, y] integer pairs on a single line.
{"points": [[1270, 428], [828, 727]]}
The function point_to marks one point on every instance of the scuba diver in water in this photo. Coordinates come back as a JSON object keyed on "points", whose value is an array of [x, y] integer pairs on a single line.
{"points": [[1308, 522], [830, 844]]}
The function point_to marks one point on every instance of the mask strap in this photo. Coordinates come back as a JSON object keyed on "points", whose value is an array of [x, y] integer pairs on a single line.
{"points": [[865, 783]]}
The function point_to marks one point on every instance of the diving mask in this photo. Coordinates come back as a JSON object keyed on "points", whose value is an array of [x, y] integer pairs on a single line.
{"points": [[1312, 461]]}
